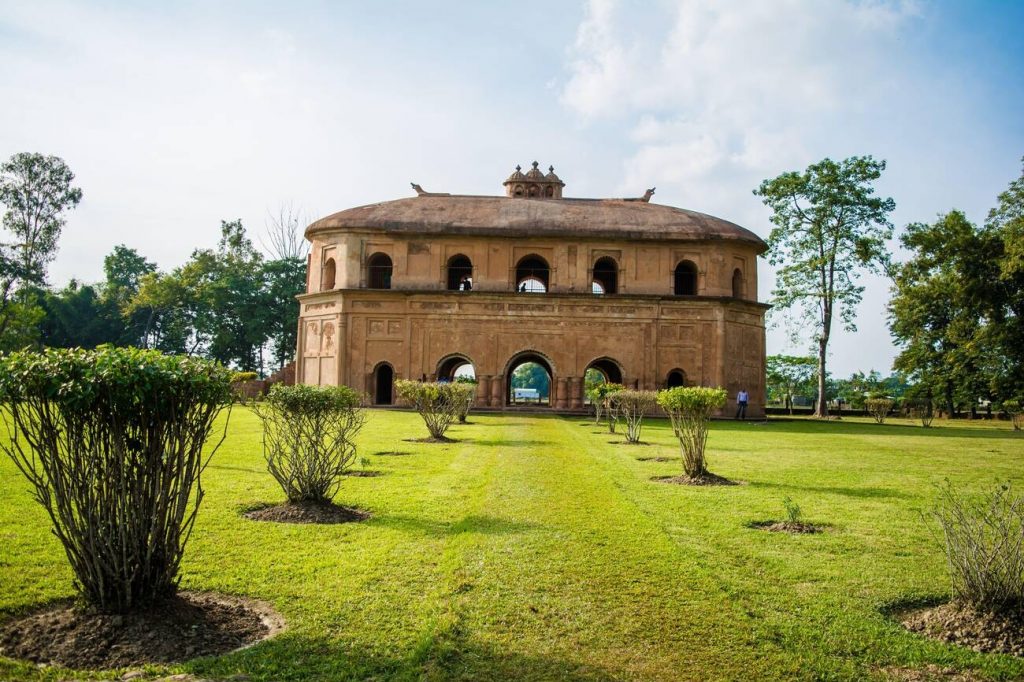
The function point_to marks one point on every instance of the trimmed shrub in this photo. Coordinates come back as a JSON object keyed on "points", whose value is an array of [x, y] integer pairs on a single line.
{"points": [[111, 440], [468, 404], [983, 537], [438, 403], [600, 397], [308, 438], [879, 408], [632, 406], [1016, 412], [239, 377], [690, 409]]}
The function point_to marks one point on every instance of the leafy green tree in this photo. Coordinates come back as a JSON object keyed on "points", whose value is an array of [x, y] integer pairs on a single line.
{"points": [[78, 317], [532, 375], [935, 313], [125, 270], [829, 226], [36, 191], [789, 376], [284, 279]]}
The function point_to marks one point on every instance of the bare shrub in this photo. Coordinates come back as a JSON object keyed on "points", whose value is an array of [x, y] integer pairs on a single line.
{"points": [[632, 406], [112, 442], [983, 537], [879, 408], [309, 438], [924, 412], [467, 404], [601, 397], [690, 409], [438, 403]]}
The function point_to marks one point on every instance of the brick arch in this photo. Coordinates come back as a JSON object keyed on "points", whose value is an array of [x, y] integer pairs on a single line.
{"points": [[522, 357]]}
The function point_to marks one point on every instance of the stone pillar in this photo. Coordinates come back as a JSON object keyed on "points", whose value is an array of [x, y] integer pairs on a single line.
{"points": [[497, 389], [562, 401], [483, 390], [575, 392]]}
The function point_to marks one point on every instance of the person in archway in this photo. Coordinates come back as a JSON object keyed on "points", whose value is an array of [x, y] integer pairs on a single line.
{"points": [[741, 404], [522, 287]]}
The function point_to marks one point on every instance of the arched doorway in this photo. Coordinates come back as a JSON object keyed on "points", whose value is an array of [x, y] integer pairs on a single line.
{"points": [[686, 279], [327, 278], [460, 273], [379, 271], [453, 367], [532, 275], [600, 371], [383, 384], [606, 276], [529, 380], [676, 377]]}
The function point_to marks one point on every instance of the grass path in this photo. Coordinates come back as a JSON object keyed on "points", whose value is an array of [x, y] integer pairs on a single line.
{"points": [[536, 549]]}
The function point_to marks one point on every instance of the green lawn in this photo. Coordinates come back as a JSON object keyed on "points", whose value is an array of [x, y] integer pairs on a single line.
{"points": [[535, 548]]}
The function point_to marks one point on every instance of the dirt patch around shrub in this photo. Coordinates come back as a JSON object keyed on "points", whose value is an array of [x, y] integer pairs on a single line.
{"points": [[793, 527], [363, 473], [929, 673], [705, 480], [431, 439], [391, 453], [626, 442], [978, 630], [657, 459], [306, 512], [190, 625]]}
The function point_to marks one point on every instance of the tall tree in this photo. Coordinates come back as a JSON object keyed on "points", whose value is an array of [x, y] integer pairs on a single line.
{"points": [[789, 376], [829, 226], [125, 269], [36, 191]]}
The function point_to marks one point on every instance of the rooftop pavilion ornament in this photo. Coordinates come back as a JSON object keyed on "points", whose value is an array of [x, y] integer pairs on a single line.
{"points": [[646, 294]]}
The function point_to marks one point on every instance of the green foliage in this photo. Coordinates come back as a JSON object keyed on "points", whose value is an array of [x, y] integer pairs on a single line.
{"points": [[982, 536], [532, 375], [112, 442], [36, 191], [238, 377], [632, 407], [879, 408], [829, 227], [439, 404], [790, 376], [690, 409], [308, 438], [793, 512], [600, 397], [466, 380]]}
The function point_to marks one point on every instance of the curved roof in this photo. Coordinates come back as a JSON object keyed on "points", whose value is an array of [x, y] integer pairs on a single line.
{"points": [[527, 217]]}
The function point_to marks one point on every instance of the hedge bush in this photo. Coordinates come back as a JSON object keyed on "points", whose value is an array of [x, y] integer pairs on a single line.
{"points": [[309, 438], [879, 408], [111, 440], [438, 403], [632, 406], [600, 397], [690, 409]]}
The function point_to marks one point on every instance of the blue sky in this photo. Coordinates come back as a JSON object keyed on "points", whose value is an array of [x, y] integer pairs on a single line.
{"points": [[175, 116]]}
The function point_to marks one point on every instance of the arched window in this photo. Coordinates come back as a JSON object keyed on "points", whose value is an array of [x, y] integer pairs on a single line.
{"points": [[532, 275], [549, 191], [686, 279], [737, 283], [383, 384], [675, 378], [518, 191], [329, 273], [534, 190], [460, 273], [379, 270], [606, 276]]}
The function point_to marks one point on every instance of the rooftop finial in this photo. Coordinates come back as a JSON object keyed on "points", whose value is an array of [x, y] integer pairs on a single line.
{"points": [[518, 167], [535, 164], [551, 169]]}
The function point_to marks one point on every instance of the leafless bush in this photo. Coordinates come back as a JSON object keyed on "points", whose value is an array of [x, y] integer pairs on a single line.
{"points": [[923, 412], [308, 438], [112, 442], [632, 406], [984, 542]]}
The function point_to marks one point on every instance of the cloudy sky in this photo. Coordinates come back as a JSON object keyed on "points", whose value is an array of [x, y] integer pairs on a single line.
{"points": [[177, 115]]}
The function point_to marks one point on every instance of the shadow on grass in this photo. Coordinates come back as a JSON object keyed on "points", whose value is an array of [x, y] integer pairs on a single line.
{"points": [[487, 525], [865, 493], [811, 427], [448, 654], [506, 442]]}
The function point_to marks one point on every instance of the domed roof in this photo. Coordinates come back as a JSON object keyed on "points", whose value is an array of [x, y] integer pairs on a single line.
{"points": [[551, 177], [535, 173], [517, 175], [524, 217]]}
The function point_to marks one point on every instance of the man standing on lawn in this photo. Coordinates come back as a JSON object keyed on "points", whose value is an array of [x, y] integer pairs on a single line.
{"points": [[741, 404]]}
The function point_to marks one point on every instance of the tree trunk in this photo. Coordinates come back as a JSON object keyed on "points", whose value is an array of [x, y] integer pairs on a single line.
{"points": [[821, 407]]}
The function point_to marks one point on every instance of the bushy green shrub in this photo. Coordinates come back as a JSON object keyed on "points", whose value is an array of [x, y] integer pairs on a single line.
{"points": [[983, 536], [632, 406], [879, 408], [309, 438], [438, 403], [690, 409], [470, 397], [111, 440], [239, 377]]}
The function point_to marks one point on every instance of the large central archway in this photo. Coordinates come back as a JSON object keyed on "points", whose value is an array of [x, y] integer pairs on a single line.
{"points": [[532, 371]]}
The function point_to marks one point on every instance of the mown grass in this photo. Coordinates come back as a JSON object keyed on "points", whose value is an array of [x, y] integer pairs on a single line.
{"points": [[534, 548]]}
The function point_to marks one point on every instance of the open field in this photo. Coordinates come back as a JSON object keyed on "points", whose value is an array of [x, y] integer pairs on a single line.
{"points": [[539, 548]]}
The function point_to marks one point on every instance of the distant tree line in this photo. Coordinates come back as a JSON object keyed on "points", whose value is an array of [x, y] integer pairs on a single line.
{"points": [[230, 303]]}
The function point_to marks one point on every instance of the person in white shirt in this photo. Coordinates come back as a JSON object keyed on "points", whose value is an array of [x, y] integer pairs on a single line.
{"points": [[741, 404]]}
